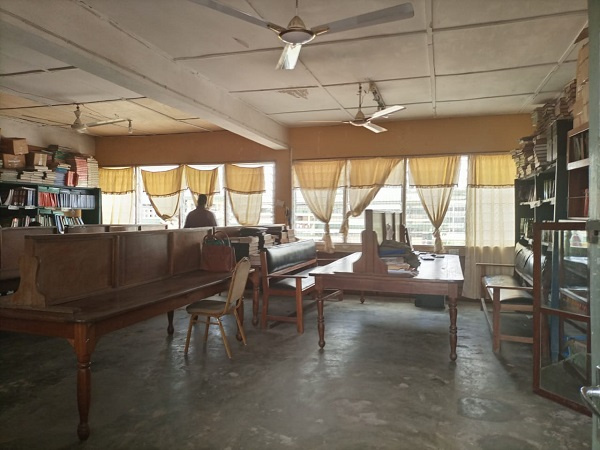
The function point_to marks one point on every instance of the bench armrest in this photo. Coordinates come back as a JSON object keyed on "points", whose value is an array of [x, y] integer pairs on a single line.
{"points": [[494, 265], [288, 276], [515, 288]]}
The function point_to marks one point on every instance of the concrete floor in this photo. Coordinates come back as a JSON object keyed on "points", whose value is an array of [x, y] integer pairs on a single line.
{"points": [[384, 381]]}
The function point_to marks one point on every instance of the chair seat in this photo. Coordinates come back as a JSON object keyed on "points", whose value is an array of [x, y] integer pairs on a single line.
{"points": [[206, 307], [509, 296]]}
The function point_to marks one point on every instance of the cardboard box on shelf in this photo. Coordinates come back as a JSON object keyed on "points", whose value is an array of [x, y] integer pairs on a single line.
{"points": [[583, 62], [14, 146], [13, 161], [36, 159]]}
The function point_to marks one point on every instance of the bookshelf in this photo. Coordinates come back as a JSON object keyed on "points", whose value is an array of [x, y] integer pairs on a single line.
{"points": [[578, 162], [541, 190], [22, 203]]}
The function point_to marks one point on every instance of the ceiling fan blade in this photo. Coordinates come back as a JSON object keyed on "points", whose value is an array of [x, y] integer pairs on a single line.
{"points": [[216, 6], [289, 57], [399, 12], [374, 128], [387, 111]]}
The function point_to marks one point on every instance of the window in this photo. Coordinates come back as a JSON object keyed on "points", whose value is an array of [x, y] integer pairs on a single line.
{"points": [[220, 206], [453, 229], [389, 198]]}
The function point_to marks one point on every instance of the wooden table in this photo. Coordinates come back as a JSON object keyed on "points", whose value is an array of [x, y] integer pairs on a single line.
{"points": [[442, 276], [83, 322]]}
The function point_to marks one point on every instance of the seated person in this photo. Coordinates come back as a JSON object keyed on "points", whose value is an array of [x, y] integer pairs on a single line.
{"points": [[200, 217]]}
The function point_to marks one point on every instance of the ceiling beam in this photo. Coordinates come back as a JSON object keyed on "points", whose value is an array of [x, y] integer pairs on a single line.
{"points": [[76, 34]]}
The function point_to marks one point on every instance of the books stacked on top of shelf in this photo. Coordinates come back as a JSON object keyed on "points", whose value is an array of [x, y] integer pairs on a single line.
{"points": [[60, 173], [8, 176], [523, 156], [32, 176], [93, 174], [540, 151], [543, 116], [80, 166]]}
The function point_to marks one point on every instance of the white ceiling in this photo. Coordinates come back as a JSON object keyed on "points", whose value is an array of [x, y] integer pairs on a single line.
{"points": [[178, 67]]}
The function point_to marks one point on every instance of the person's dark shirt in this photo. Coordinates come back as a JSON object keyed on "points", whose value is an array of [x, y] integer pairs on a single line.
{"points": [[200, 217]]}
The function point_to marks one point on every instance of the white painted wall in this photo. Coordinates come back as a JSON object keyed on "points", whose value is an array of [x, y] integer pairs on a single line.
{"points": [[43, 136]]}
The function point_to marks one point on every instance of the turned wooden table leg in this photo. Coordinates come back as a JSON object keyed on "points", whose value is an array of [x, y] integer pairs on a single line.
{"points": [[170, 328], [452, 301], [320, 318], [84, 343]]}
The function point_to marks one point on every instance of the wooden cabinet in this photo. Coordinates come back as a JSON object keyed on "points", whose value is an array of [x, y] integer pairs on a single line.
{"points": [[562, 340], [578, 162], [22, 203]]}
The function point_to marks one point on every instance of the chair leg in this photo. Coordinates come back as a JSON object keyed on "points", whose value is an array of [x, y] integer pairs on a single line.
{"points": [[206, 328], [240, 326], [224, 336], [189, 333]]}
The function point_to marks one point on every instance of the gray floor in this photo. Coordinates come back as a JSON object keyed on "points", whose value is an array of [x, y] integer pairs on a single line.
{"points": [[384, 381]]}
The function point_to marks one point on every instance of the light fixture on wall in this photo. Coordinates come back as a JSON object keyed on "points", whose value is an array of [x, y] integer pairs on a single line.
{"points": [[81, 127]]}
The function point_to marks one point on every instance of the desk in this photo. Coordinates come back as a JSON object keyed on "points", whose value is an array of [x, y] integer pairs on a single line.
{"points": [[442, 276], [83, 322]]}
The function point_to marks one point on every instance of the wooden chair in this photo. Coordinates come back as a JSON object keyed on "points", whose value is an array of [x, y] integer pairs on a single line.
{"points": [[215, 309]]}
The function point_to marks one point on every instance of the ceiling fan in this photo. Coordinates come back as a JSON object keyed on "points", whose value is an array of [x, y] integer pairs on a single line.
{"points": [[81, 127], [360, 120], [296, 34]]}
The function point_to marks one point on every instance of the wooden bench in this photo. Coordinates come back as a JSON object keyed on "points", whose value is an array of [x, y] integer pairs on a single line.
{"points": [[82, 286], [508, 293], [285, 271]]}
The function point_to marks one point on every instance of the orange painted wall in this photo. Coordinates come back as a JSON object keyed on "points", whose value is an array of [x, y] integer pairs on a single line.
{"points": [[462, 135]]}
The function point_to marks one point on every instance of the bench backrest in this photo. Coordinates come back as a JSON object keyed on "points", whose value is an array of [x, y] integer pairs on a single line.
{"points": [[524, 263], [12, 245], [57, 269], [285, 256]]}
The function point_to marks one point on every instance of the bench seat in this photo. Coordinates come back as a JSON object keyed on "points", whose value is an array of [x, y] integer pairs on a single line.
{"points": [[507, 295]]}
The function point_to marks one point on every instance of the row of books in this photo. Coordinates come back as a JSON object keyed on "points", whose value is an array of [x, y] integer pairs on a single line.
{"points": [[21, 196], [66, 199], [59, 221]]}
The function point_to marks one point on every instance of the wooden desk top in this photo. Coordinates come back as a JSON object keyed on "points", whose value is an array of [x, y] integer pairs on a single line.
{"points": [[446, 269]]}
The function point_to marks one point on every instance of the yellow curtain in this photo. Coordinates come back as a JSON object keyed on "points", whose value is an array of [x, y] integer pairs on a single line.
{"points": [[366, 178], [245, 187], [202, 182], [319, 181], [116, 181], [164, 190], [434, 179], [118, 194], [490, 220]]}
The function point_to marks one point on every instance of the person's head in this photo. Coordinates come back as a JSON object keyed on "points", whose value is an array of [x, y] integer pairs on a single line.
{"points": [[202, 200]]}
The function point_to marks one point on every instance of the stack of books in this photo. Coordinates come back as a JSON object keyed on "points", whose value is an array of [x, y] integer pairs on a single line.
{"points": [[80, 167], [8, 175], [92, 173], [60, 173], [523, 156]]}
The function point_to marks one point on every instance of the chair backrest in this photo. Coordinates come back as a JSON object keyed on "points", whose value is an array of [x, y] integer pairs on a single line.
{"points": [[238, 282]]}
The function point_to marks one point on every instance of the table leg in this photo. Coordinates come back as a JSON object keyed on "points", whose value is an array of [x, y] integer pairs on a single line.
{"points": [[320, 318], [452, 301], [84, 344], [170, 328]]}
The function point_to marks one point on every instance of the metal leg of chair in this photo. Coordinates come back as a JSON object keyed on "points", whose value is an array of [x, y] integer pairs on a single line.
{"points": [[240, 326], [189, 334], [224, 336]]}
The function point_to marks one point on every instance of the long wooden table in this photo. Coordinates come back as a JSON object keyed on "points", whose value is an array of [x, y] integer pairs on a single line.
{"points": [[441, 276], [84, 322]]}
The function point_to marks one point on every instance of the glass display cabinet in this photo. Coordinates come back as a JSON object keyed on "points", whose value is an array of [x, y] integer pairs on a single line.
{"points": [[562, 344]]}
